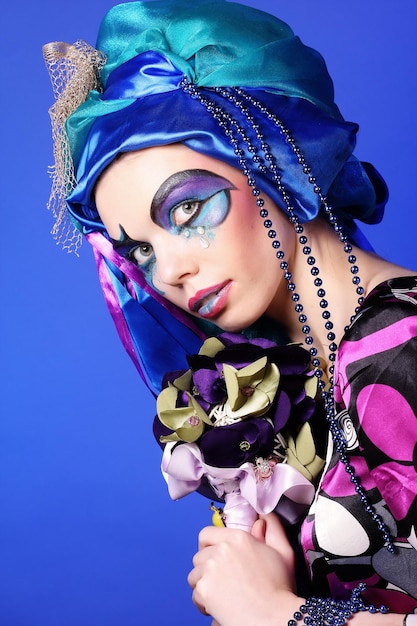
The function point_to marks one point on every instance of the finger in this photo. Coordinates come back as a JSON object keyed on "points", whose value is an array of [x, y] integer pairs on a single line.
{"points": [[212, 535], [197, 604], [193, 578], [275, 536], [203, 555], [258, 530]]}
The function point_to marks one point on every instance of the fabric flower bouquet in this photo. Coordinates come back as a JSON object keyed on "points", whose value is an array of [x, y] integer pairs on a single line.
{"points": [[239, 421]]}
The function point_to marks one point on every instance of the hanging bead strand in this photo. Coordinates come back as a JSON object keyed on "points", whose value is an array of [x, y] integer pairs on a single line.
{"points": [[328, 396], [237, 134]]}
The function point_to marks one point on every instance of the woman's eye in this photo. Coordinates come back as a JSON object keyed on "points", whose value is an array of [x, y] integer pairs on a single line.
{"points": [[184, 212], [141, 253]]}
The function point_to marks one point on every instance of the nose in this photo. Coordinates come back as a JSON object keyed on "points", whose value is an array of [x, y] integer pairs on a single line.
{"points": [[175, 261]]}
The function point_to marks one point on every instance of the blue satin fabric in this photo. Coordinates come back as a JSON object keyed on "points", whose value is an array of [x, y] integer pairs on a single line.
{"points": [[156, 340], [140, 77], [163, 114], [213, 43], [150, 47]]}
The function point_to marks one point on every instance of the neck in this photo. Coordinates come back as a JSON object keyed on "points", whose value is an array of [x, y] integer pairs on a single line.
{"points": [[340, 292]]}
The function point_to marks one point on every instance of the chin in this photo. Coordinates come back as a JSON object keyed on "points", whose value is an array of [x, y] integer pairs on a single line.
{"points": [[233, 326]]}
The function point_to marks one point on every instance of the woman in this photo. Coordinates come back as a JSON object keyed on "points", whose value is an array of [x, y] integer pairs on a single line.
{"points": [[214, 207]]}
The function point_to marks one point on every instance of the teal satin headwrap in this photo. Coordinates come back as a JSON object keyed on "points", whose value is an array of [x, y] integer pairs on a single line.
{"points": [[150, 47], [213, 43]]}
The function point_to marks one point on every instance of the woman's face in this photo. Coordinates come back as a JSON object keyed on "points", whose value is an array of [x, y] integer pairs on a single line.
{"points": [[191, 223]]}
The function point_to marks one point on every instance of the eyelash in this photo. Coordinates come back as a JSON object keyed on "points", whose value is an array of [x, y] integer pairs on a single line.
{"points": [[127, 247], [131, 254], [212, 210], [194, 213], [196, 209]]}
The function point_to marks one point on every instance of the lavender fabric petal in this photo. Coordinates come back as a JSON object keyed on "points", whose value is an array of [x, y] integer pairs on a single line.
{"points": [[183, 467], [239, 512], [264, 495]]}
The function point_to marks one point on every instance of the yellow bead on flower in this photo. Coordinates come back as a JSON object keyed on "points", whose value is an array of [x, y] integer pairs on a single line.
{"points": [[218, 517]]}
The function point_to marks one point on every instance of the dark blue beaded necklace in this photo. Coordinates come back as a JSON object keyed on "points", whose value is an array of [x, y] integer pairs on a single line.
{"points": [[326, 611], [246, 137]]}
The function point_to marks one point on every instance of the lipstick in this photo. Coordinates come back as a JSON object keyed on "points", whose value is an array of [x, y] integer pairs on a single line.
{"points": [[209, 302]]}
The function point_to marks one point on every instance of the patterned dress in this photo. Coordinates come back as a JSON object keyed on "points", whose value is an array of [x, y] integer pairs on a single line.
{"points": [[376, 399]]}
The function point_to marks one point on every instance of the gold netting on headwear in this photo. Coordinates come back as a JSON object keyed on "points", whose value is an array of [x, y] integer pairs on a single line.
{"points": [[74, 70]]}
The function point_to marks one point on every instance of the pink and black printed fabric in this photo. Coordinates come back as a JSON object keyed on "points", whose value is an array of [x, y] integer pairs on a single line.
{"points": [[376, 401]]}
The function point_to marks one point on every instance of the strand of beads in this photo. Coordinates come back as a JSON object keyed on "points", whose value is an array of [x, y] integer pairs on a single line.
{"points": [[303, 240], [237, 134], [328, 396], [263, 164], [329, 612], [333, 220]]}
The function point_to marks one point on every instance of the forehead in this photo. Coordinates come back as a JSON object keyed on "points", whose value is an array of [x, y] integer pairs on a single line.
{"points": [[150, 167]]}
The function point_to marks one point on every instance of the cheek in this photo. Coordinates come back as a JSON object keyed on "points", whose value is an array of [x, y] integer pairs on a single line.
{"points": [[248, 234], [150, 273]]}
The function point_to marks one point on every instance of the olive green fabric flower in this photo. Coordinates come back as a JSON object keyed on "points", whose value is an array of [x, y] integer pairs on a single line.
{"points": [[186, 422], [302, 455], [252, 389]]}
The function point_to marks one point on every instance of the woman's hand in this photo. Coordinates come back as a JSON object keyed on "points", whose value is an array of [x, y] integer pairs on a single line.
{"points": [[245, 579]]}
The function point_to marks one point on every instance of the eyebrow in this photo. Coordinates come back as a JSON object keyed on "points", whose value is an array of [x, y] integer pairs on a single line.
{"points": [[191, 185]]}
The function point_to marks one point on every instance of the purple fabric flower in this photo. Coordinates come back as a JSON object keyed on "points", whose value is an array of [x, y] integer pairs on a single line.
{"points": [[260, 407], [232, 445]]}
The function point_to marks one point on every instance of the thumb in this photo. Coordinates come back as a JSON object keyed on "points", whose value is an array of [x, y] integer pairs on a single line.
{"points": [[275, 535], [258, 530]]}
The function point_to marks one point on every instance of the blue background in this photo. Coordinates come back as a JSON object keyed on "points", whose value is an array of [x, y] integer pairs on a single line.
{"points": [[88, 534]]}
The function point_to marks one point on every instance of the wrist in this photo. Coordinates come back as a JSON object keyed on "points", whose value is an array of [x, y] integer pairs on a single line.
{"points": [[286, 604]]}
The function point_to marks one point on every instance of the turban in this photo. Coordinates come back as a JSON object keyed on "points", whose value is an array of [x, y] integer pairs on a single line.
{"points": [[139, 101]]}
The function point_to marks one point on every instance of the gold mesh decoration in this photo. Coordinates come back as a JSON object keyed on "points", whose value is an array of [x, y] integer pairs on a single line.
{"points": [[74, 70]]}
